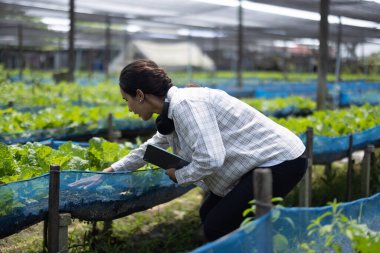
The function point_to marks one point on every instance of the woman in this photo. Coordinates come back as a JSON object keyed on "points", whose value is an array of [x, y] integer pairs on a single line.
{"points": [[224, 138]]}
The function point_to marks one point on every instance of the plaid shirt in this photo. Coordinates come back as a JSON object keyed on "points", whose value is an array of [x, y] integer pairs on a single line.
{"points": [[223, 137]]}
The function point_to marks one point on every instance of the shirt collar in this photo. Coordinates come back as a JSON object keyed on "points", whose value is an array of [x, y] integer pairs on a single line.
{"points": [[170, 95]]}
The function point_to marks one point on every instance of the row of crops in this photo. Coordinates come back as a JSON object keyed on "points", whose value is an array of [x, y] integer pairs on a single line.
{"points": [[105, 93], [67, 105], [34, 159], [45, 76], [40, 93], [329, 122], [31, 159]]}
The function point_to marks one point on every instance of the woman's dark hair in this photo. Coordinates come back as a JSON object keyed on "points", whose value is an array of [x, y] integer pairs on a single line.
{"points": [[145, 75]]}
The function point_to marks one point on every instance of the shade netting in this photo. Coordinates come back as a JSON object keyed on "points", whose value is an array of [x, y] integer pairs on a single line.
{"points": [[328, 149], [118, 194], [286, 230]]}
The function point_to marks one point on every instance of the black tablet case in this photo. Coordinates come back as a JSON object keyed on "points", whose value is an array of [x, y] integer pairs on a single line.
{"points": [[163, 158]]}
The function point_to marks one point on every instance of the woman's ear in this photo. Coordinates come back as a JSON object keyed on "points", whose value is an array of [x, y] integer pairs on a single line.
{"points": [[140, 95]]}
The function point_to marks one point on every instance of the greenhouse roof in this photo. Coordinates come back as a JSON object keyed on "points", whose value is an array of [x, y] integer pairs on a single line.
{"points": [[46, 22]]}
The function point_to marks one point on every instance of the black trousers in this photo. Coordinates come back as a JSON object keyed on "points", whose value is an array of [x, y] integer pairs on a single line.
{"points": [[222, 215]]}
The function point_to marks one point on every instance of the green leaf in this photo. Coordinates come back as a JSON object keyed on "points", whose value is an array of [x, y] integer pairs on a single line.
{"points": [[7, 203], [77, 163], [291, 223], [110, 151], [277, 199], [247, 211], [275, 214], [280, 243], [246, 221], [326, 229], [7, 164]]}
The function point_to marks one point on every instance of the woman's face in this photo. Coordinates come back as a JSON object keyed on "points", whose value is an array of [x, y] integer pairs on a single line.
{"points": [[137, 105]]}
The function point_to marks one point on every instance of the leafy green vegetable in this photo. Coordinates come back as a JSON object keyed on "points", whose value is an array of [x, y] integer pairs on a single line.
{"points": [[265, 105], [7, 201], [33, 159], [7, 164], [335, 122]]}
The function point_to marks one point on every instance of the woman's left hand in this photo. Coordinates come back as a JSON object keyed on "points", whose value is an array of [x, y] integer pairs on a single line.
{"points": [[171, 173]]}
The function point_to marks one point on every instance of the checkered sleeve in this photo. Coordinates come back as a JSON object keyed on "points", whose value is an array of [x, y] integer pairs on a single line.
{"points": [[197, 121], [134, 160]]}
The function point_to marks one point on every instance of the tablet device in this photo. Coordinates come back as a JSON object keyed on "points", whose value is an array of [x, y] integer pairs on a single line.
{"points": [[163, 158]]}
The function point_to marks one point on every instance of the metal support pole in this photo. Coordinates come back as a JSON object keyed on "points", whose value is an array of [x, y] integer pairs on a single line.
{"points": [[44, 238], [90, 61], [80, 100], [365, 62], [112, 134], [305, 192], [338, 59], [350, 169], [78, 59], [107, 51], [189, 59], [240, 46], [323, 54], [284, 61], [20, 50], [126, 52], [216, 42], [64, 222], [71, 58], [263, 196], [107, 228], [94, 229], [366, 170], [263, 191], [327, 171], [10, 104], [57, 56], [110, 127], [53, 210]]}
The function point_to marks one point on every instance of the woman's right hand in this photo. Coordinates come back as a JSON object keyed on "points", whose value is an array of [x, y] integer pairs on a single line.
{"points": [[90, 182], [109, 169]]}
